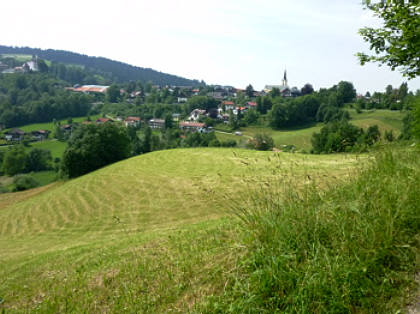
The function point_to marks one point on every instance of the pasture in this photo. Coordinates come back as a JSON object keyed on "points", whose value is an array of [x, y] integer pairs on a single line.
{"points": [[300, 137]]}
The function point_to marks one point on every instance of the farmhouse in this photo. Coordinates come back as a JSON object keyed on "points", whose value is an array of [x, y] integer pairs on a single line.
{"points": [[103, 120], [193, 126], [229, 105], [67, 128], [89, 89], [196, 114], [157, 123], [14, 135], [132, 121], [250, 104], [40, 135]]}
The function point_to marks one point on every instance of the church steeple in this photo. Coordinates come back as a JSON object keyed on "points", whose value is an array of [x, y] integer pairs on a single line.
{"points": [[285, 79]]}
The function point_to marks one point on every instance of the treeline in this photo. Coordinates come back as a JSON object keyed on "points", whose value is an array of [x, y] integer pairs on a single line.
{"points": [[114, 71], [94, 146], [37, 97], [322, 106], [16, 160], [393, 99]]}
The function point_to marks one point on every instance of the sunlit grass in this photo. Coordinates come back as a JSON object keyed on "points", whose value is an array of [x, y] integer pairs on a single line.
{"points": [[149, 234]]}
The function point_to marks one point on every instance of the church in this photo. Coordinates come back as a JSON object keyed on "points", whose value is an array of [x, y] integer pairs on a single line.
{"points": [[284, 87]]}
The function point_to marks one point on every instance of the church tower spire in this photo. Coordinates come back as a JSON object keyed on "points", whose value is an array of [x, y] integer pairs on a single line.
{"points": [[285, 79]]}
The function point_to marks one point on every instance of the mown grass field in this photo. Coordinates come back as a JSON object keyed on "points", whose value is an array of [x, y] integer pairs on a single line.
{"points": [[150, 234], [301, 137]]}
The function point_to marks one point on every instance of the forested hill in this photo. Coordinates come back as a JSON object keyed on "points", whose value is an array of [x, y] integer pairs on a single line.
{"points": [[114, 70]]}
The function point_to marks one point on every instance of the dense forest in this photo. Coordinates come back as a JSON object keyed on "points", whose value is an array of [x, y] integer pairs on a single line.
{"points": [[113, 71], [38, 97]]}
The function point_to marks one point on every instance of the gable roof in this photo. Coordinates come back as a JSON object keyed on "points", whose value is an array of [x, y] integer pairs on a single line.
{"points": [[191, 124]]}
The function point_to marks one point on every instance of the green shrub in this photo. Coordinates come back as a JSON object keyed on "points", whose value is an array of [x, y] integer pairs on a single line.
{"points": [[261, 142], [24, 182]]}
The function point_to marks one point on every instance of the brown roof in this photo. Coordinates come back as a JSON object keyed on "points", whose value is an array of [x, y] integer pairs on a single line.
{"points": [[228, 103], [132, 119], [15, 131], [103, 120], [192, 124]]}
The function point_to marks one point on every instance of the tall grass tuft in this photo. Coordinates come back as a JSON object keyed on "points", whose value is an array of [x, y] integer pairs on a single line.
{"points": [[352, 248]]}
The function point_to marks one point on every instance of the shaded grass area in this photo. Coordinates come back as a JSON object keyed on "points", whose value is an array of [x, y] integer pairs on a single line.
{"points": [[354, 248], [148, 234], [301, 136], [57, 148], [45, 177]]}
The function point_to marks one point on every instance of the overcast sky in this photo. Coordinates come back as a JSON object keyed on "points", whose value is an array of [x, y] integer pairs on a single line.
{"points": [[229, 42]]}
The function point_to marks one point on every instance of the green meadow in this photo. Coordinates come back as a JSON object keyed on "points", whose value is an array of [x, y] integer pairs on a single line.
{"points": [[153, 233], [50, 125], [301, 137]]}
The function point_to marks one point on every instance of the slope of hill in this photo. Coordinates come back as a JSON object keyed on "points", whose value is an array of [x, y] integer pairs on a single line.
{"points": [[115, 70], [386, 120], [148, 234]]}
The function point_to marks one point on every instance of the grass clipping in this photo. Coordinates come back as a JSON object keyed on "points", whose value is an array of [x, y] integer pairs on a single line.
{"points": [[353, 248]]}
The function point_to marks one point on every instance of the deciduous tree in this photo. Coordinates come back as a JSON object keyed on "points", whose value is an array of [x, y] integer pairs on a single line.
{"points": [[397, 43]]}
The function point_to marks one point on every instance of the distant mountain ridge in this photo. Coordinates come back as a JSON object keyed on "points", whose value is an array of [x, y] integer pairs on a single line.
{"points": [[118, 71]]}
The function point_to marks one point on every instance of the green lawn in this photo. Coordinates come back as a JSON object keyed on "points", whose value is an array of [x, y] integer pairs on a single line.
{"points": [[50, 125], [301, 137], [385, 119], [57, 148], [149, 234], [45, 177]]}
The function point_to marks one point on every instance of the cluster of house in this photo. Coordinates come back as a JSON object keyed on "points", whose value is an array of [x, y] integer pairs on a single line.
{"points": [[29, 66], [17, 135]]}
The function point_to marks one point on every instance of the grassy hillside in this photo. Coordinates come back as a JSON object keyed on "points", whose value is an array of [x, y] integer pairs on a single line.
{"points": [[148, 234], [301, 137]]}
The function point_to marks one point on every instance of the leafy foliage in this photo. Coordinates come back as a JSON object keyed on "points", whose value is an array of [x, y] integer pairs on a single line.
{"points": [[24, 182], [341, 136], [397, 42], [94, 146], [261, 141], [36, 97]]}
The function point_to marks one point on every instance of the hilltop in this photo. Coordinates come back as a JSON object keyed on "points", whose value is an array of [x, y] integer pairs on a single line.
{"points": [[114, 71]]}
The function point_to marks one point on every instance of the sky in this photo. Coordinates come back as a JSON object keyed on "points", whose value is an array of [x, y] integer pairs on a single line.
{"points": [[227, 42]]}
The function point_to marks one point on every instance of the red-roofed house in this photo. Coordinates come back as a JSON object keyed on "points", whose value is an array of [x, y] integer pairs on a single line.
{"points": [[103, 120], [132, 121], [229, 105], [193, 126]]}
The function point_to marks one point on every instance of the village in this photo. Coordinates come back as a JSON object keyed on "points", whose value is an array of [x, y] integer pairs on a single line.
{"points": [[230, 100]]}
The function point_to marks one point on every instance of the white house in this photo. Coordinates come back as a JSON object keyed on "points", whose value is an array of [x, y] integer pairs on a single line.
{"points": [[196, 114]]}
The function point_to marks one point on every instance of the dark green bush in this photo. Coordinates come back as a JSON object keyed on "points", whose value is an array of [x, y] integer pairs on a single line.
{"points": [[24, 182]]}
